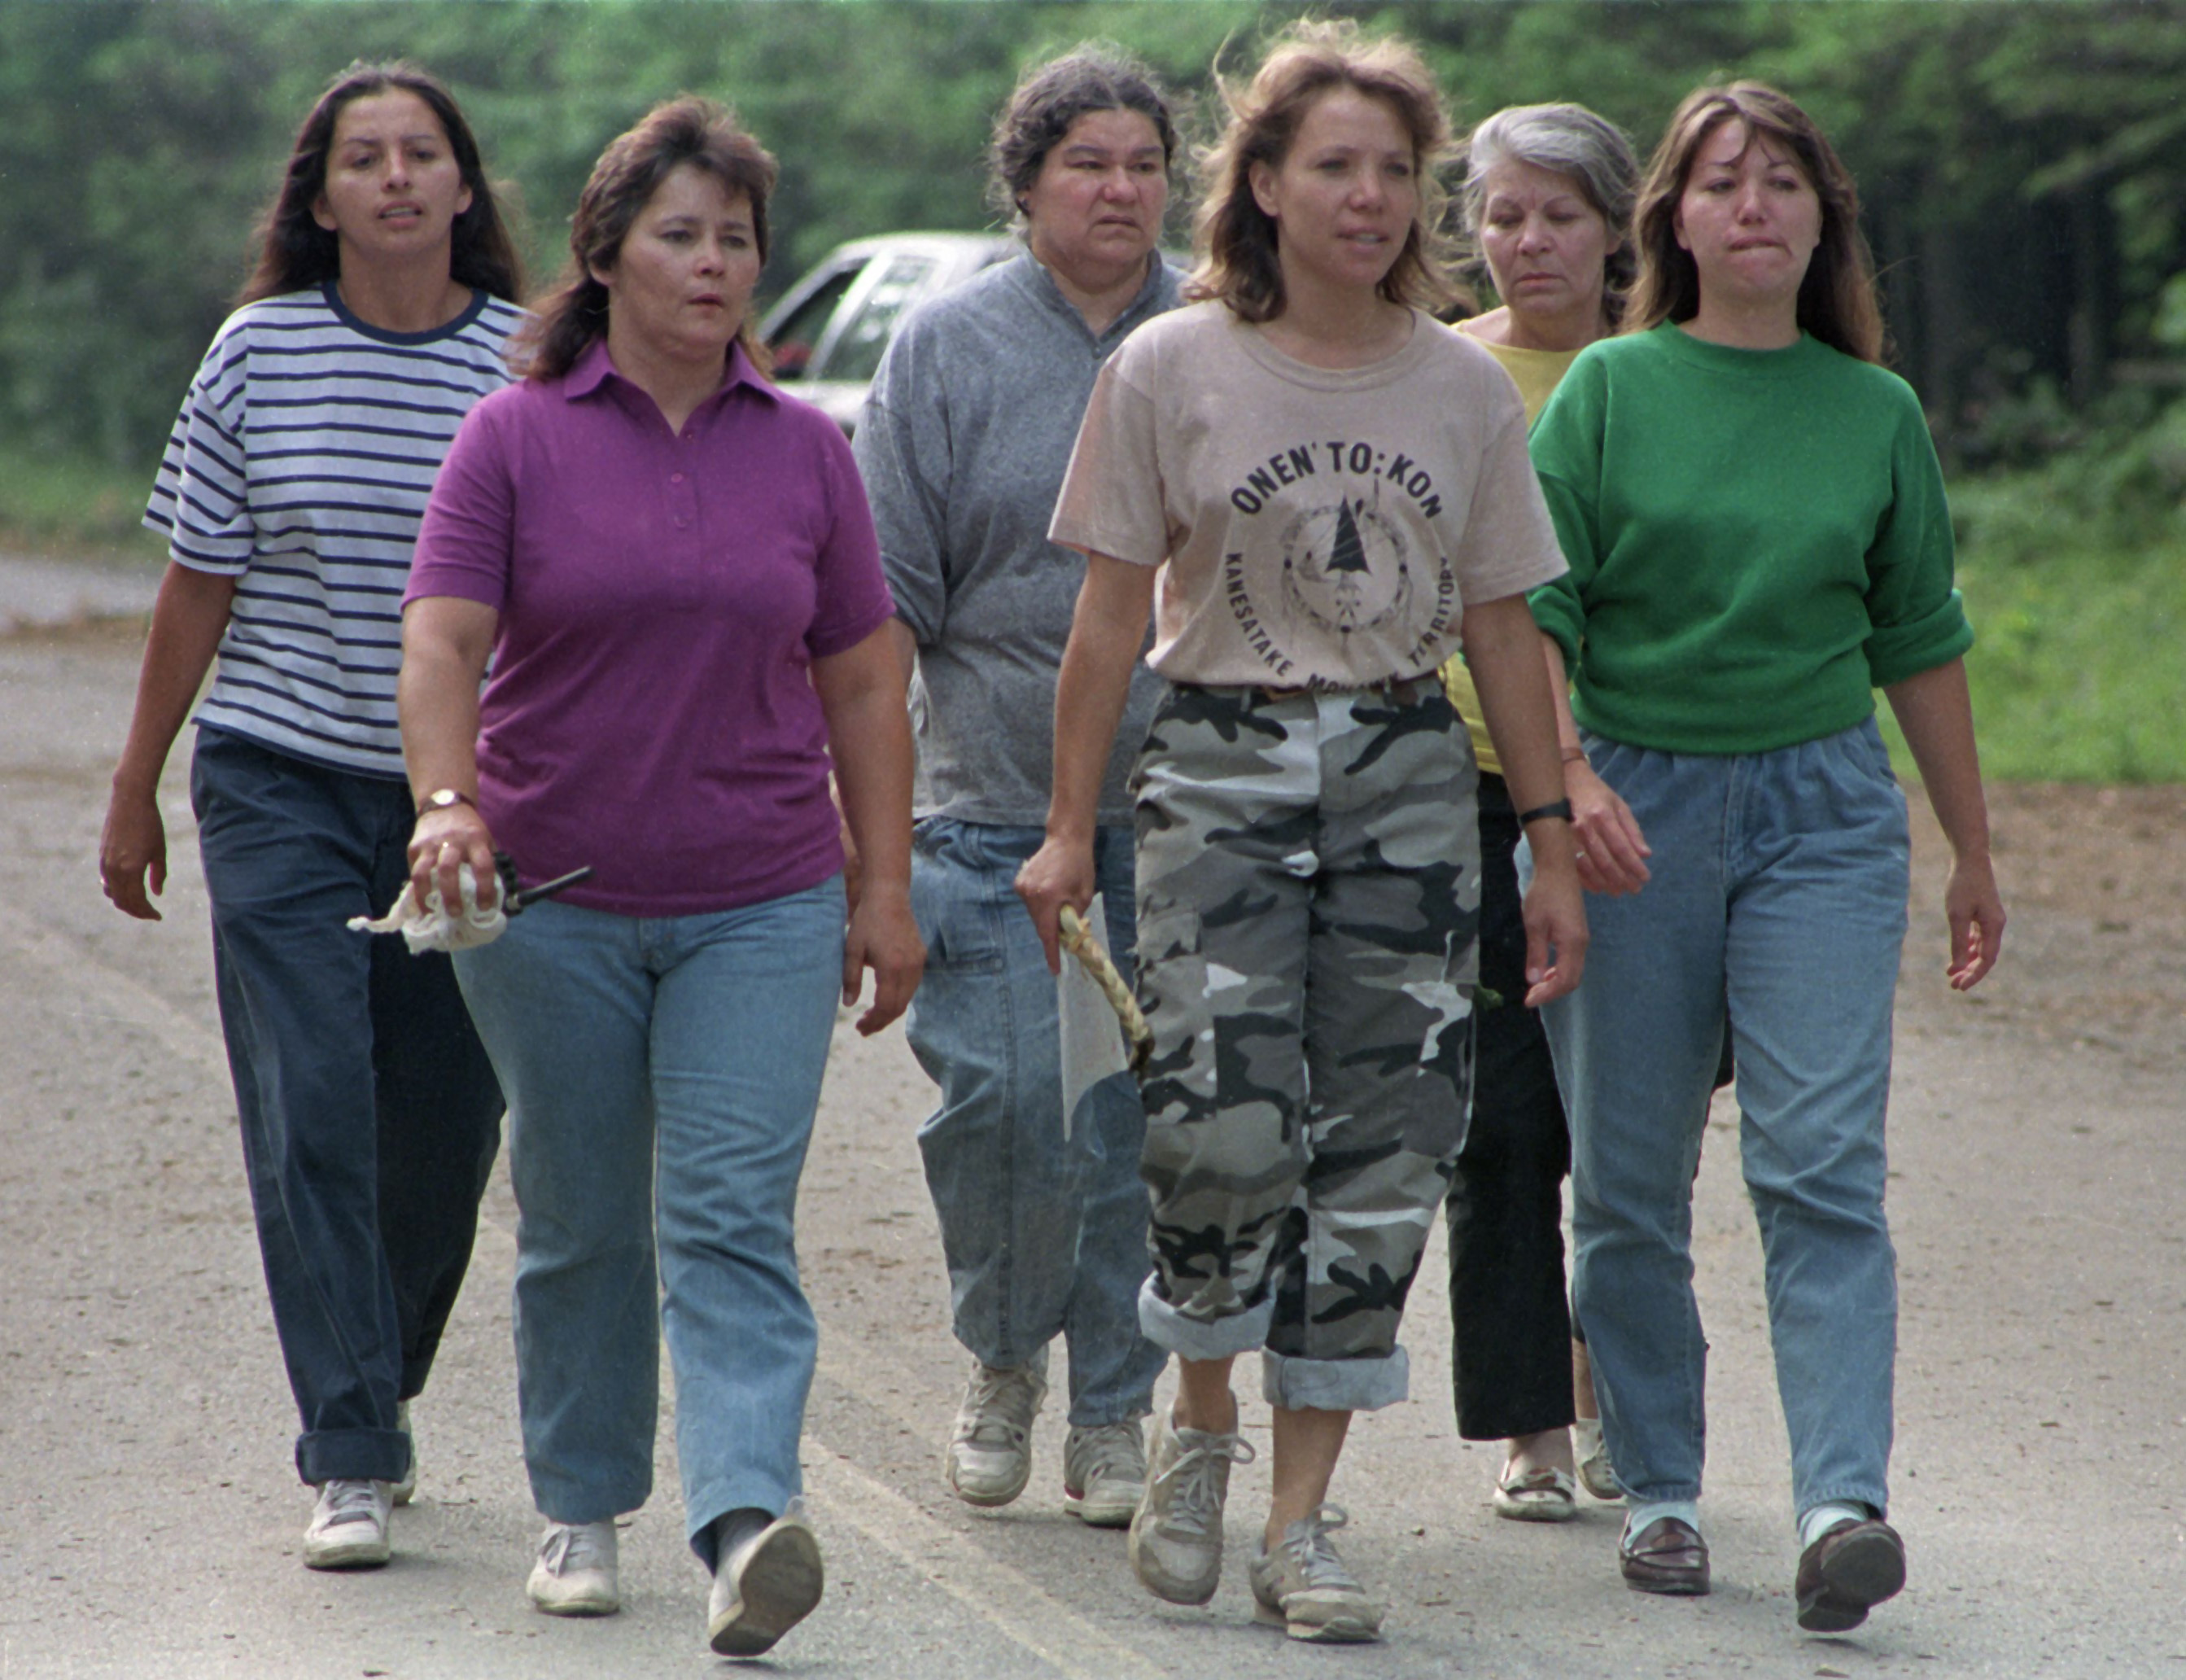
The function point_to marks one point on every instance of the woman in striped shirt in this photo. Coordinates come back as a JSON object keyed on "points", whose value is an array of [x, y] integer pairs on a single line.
{"points": [[290, 493]]}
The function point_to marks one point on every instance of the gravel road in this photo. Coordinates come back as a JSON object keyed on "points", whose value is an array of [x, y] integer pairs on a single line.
{"points": [[150, 1522]]}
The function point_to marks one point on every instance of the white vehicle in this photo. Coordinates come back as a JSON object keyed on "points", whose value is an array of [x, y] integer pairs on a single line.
{"points": [[829, 329]]}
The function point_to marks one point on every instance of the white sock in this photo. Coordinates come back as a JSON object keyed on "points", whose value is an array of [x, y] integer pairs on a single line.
{"points": [[1823, 1518], [1641, 1513]]}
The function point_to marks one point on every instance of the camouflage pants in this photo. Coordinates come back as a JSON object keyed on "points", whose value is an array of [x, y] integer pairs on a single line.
{"points": [[1308, 898]]}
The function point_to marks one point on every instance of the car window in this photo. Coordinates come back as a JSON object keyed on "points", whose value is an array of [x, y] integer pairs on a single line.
{"points": [[796, 339], [857, 349]]}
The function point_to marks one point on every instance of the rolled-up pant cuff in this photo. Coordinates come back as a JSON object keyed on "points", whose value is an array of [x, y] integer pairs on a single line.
{"points": [[1173, 1331], [1362, 1385], [355, 1454]]}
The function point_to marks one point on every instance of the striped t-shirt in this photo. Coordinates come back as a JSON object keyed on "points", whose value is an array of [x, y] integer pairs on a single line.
{"points": [[299, 465]]}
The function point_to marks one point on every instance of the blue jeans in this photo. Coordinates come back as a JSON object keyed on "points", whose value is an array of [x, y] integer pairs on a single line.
{"points": [[370, 1117], [1042, 1235], [1779, 889], [662, 1074]]}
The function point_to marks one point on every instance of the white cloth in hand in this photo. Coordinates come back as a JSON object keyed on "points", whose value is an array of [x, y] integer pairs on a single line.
{"points": [[429, 927]]}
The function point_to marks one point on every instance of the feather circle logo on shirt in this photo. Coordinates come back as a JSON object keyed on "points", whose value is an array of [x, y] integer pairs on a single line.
{"points": [[1346, 570]]}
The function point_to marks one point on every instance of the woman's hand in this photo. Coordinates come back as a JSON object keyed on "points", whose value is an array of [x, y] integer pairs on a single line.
{"points": [[1060, 873], [443, 841], [1611, 851], [132, 848], [883, 936], [1974, 907], [188, 622], [1555, 916]]}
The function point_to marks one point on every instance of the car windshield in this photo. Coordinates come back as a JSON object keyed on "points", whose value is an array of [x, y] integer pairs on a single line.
{"points": [[856, 353]]}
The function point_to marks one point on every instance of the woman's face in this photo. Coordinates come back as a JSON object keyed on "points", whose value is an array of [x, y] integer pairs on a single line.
{"points": [[1095, 210], [1750, 218], [1343, 199], [682, 283], [394, 189], [1544, 242]]}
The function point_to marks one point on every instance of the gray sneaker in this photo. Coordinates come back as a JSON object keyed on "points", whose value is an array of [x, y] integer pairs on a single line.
{"points": [[401, 1493], [576, 1573], [1104, 1473], [765, 1583], [1177, 1536], [349, 1526], [991, 1454], [1304, 1587]]}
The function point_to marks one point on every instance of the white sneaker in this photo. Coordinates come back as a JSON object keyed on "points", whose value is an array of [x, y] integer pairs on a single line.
{"points": [[991, 1454], [1176, 1535], [349, 1526], [575, 1573], [400, 1492], [765, 1585], [1304, 1587], [1104, 1474]]}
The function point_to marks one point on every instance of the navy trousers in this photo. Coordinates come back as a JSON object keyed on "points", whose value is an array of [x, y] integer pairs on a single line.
{"points": [[370, 1113]]}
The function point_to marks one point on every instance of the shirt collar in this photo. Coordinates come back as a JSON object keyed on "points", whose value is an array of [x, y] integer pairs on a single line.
{"points": [[594, 367], [1159, 289]]}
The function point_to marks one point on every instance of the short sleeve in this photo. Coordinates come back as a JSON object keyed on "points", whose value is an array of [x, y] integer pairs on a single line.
{"points": [[1509, 546], [902, 452], [1111, 501], [852, 598], [201, 496], [467, 540], [1919, 619], [1567, 453]]}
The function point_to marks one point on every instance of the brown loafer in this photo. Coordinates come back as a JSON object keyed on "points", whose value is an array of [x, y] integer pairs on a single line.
{"points": [[1847, 1571], [1667, 1556]]}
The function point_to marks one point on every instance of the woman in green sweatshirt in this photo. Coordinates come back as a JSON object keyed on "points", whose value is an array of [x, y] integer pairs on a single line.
{"points": [[1758, 537]]}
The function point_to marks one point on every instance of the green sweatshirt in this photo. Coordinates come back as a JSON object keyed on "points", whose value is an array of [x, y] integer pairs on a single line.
{"points": [[1758, 540]]}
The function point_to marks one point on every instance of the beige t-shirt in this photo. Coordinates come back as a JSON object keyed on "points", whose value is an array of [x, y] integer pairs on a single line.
{"points": [[1320, 527]]}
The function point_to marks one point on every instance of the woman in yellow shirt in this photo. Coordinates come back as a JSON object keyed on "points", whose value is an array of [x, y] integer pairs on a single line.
{"points": [[1548, 200]]}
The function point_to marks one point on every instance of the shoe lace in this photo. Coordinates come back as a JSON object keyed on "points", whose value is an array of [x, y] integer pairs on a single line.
{"points": [[1193, 1503], [348, 1500], [998, 1406], [1107, 1450], [1315, 1554], [571, 1547]]}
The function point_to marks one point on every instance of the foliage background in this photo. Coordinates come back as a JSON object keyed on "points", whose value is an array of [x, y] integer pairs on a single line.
{"points": [[2023, 169]]}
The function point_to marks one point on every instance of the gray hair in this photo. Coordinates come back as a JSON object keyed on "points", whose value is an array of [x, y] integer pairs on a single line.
{"points": [[1050, 97], [1567, 140]]}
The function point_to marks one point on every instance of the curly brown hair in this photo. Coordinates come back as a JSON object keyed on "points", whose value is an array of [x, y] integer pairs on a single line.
{"points": [[1236, 240], [1837, 301]]}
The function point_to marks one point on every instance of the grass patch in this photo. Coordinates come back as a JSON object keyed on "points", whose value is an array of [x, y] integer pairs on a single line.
{"points": [[63, 507], [2074, 573]]}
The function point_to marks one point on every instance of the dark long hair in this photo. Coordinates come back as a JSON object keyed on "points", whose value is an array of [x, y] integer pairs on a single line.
{"points": [[296, 253], [685, 130], [1235, 240], [1837, 302]]}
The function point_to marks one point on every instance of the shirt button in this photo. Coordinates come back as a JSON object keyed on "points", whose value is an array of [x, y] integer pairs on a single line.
{"points": [[675, 478], [681, 522]]}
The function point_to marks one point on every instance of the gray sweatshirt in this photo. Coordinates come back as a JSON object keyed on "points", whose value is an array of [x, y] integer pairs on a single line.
{"points": [[967, 429]]}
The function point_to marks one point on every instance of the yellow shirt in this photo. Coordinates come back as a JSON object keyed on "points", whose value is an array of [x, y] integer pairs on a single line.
{"points": [[1536, 372]]}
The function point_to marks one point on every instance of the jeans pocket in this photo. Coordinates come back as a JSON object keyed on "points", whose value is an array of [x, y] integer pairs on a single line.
{"points": [[955, 912]]}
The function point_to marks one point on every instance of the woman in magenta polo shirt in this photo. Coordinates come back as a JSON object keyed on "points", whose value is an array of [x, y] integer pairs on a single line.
{"points": [[672, 567]]}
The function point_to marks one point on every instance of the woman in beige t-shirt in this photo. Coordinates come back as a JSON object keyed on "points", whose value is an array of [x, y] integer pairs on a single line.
{"points": [[1330, 493]]}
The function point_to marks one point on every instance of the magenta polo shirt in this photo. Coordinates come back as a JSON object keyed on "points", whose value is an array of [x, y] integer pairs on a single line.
{"points": [[662, 597]]}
